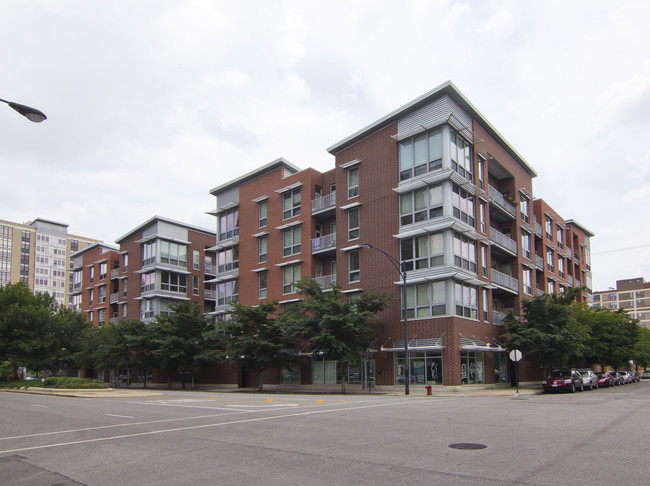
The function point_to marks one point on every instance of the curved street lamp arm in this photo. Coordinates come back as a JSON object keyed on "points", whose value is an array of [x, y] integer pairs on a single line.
{"points": [[32, 114], [392, 259]]}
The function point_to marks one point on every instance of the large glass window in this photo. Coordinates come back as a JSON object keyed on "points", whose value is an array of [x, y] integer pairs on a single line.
{"points": [[422, 251], [461, 159], [148, 254], [464, 252], [147, 282], [420, 205], [291, 204], [173, 282], [463, 203], [291, 241], [290, 275], [426, 300], [420, 154], [471, 367], [227, 292], [353, 182], [426, 367], [466, 298], [500, 368], [228, 259], [229, 224], [323, 372], [173, 253]]}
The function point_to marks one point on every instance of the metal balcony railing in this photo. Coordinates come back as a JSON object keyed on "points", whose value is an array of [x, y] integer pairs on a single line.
{"points": [[326, 281], [323, 202], [497, 198], [505, 280], [503, 240], [323, 242]]}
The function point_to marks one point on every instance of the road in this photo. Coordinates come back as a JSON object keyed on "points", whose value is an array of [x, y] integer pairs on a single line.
{"points": [[197, 438]]}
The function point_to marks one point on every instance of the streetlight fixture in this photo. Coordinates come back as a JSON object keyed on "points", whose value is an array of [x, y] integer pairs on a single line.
{"points": [[402, 274], [32, 114]]}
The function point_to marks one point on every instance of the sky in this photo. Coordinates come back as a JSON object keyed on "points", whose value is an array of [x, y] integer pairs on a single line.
{"points": [[151, 104]]}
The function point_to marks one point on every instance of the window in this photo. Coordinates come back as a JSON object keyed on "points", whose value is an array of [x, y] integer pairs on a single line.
{"points": [[173, 282], [92, 273], [90, 296], [262, 244], [526, 277], [291, 204], [425, 300], [560, 237], [551, 286], [422, 251], [484, 260], [195, 285], [353, 182], [461, 159], [148, 253], [549, 228], [146, 309], [227, 292], [420, 205], [196, 259], [124, 287], [482, 218], [102, 270], [560, 266], [525, 243], [523, 208], [228, 259], [464, 252], [466, 298], [291, 241], [481, 173], [549, 260], [420, 154], [124, 311], [485, 305], [354, 273], [261, 284], [463, 204], [173, 253], [101, 316], [229, 224], [262, 213], [290, 275], [353, 224], [102, 294], [125, 263]]}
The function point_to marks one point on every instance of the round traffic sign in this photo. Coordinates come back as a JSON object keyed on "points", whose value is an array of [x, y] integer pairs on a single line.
{"points": [[515, 355]]}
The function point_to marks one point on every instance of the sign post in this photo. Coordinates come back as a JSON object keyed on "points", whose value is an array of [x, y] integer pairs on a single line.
{"points": [[515, 355]]}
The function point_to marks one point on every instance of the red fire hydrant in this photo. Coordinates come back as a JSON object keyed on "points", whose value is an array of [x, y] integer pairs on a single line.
{"points": [[428, 387]]}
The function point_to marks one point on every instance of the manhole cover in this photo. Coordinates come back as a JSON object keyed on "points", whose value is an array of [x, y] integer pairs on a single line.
{"points": [[468, 446]]}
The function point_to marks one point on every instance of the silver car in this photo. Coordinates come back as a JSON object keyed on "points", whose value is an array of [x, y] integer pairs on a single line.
{"points": [[589, 379]]}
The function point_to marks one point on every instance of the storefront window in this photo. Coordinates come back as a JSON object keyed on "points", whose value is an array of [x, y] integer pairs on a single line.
{"points": [[471, 367], [323, 372], [426, 367], [500, 368]]}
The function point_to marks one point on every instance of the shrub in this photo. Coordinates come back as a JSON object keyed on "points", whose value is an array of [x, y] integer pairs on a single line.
{"points": [[72, 382]]}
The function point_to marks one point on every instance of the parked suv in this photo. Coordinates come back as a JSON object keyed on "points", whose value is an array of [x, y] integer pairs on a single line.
{"points": [[567, 380], [589, 379]]}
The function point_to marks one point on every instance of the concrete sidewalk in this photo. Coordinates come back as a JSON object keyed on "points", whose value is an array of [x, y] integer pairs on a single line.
{"points": [[164, 392]]}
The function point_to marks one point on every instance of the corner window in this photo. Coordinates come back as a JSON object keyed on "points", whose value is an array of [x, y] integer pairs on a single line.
{"points": [[461, 160], [422, 251], [466, 298], [420, 154], [420, 205], [229, 224]]}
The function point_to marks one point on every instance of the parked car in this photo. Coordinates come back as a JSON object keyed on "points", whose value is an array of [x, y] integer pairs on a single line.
{"points": [[566, 380], [637, 376], [618, 379], [646, 374], [627, 378], [605, 378], [589, 379]]}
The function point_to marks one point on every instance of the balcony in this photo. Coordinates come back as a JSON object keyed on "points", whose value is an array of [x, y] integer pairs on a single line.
{"points": [[505, 209], [210, 269], [538, 229], [115, 273], [569, 279], [539, 262], [323, 243], [505, 243], [326, 281], [324, 206], [114, 298], [210, 294], [505, 281]]}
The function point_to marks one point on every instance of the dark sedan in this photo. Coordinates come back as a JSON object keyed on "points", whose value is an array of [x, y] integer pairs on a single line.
{"points": [[605, 378]]}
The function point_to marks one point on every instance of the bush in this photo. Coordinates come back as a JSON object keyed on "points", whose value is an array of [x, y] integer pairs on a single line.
{"points": [[72, 382]]}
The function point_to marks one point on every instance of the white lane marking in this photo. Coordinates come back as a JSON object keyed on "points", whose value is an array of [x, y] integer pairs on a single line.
{"points": [[266, 405], [40, 406], [130, 424], [180, 429], [120, 416]]}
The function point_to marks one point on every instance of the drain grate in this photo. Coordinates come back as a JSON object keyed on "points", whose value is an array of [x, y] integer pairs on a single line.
{"points": [[468, 446]]}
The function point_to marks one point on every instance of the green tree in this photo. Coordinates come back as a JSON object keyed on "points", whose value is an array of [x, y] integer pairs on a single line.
{"points": [[257, 339], [549, 334], [641, 350], [333, 325], [613, 335], [111, 348]]}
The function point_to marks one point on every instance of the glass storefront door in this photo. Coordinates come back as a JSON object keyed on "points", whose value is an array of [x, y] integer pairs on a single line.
{"points": [[425, 367], [471, 367]]}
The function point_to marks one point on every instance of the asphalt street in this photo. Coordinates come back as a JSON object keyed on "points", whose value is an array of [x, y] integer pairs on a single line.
{"points": [[172, 438]]}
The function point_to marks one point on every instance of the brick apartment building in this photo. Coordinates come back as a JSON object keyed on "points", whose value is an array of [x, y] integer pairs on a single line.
{"points": [[631, 295], [156, 263], [434, 185], [38, 253]]}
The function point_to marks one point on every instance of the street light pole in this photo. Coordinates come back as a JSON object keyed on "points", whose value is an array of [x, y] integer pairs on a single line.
{"points": [[32, 114], [402, 274]]}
